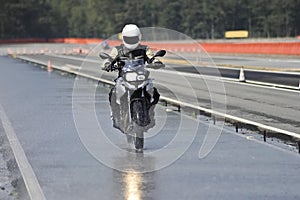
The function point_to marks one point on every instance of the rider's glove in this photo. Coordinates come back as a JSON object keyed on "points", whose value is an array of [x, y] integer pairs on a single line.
{"points": [[107, 66], [121, 63], [159, 64]]}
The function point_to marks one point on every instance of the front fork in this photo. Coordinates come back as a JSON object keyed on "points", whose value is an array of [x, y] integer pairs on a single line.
{"points": [[129, 106], [129, 103], [129, 110]]}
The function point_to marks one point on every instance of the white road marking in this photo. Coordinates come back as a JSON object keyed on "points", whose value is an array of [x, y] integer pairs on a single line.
{"points": [[33, 187]]}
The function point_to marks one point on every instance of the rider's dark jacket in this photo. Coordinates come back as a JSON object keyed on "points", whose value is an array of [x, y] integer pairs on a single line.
{"points": [[139, 52]]}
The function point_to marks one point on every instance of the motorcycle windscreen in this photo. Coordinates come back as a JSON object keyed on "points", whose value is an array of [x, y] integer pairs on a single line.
{"points": [[134, 64]]}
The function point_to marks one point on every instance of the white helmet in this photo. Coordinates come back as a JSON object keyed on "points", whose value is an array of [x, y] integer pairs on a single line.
{"points": [[131, 36]]}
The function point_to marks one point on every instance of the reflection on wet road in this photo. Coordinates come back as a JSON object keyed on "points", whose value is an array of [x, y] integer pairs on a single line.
{"points": [[135, 185]]}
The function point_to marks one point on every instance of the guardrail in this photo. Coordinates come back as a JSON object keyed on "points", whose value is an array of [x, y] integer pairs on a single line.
{"points": [[237, 121]]}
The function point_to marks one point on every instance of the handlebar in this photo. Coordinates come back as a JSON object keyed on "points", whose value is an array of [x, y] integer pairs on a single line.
{"points": [[156, 65], [111, 66]]}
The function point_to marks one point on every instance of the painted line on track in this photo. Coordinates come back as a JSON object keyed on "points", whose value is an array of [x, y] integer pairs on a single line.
{"points": [[33, 187]]}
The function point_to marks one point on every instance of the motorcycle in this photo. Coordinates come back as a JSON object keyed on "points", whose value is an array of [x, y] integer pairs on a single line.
{"points": [[133, 98]]}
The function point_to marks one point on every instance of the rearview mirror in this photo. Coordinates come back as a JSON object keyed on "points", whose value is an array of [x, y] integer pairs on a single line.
{"points": [[104, 56], [160, 53]]}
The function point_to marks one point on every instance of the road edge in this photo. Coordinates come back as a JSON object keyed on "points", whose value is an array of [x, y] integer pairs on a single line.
{"points": [[32, 185]]}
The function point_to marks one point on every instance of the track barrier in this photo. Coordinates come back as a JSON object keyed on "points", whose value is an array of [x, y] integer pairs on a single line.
{"points": [[283, 48]]}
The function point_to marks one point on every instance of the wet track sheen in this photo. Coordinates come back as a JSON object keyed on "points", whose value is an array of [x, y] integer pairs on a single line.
{"points": [[39, 106], [267, 105]]}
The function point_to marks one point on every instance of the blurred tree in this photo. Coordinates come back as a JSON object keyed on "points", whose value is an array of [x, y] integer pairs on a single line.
{"points": [[170, 16], [196, 18]]}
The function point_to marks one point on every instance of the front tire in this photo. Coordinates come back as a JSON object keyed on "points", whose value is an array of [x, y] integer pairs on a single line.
{"points": [[139, 141], [140, 119], [140, 112], [136, 141]]}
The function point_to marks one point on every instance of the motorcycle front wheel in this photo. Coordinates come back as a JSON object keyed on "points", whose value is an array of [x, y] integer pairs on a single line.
{"points": [[139, 141], [136, 141], [138, 120]]}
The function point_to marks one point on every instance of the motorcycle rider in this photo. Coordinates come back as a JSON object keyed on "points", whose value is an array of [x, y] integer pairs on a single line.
{"points": [[131, 48]]}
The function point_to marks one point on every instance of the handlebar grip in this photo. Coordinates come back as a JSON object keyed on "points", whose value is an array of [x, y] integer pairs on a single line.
{"points": [[156, 65]]}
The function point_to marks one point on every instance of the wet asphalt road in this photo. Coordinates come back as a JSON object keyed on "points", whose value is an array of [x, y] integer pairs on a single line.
{"points": [[274, 71], [265, 105], [283, 62], [279, 78], [39, 106]]}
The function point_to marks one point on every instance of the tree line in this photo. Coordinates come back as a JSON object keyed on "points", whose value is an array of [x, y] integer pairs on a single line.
{"points": [[199, 19]]}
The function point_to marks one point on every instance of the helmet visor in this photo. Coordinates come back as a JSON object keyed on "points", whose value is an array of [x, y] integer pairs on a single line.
{"points": [[131, 40]]}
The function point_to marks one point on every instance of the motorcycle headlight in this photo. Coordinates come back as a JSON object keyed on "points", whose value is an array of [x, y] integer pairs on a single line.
{"points": [[132, 76], [141, 77]]}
